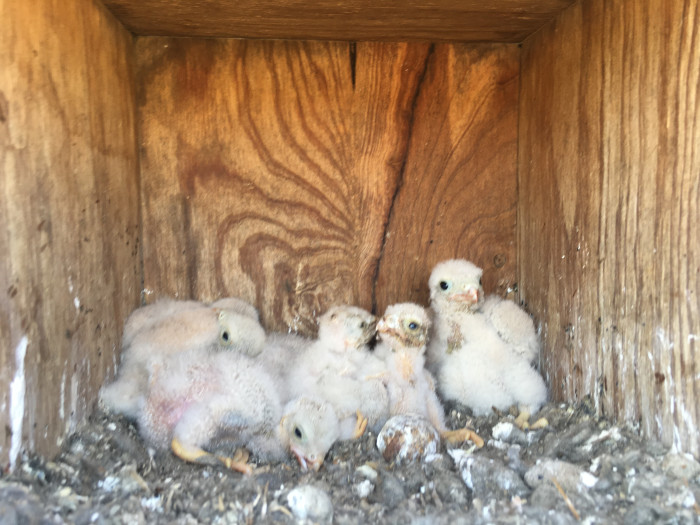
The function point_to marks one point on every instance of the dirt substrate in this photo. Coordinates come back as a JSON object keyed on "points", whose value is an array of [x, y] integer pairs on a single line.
{"points": [[578, 469]]}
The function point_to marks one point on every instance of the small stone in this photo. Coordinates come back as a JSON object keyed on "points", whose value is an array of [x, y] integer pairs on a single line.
{"points": [[487, 476], [18, 505], [569, 476], [363, 489], [154, 504], [389, 491], [310, 503], [367, 471], [683, 497], [451, 489], [680, 466], [644, 514], [508, 432]]}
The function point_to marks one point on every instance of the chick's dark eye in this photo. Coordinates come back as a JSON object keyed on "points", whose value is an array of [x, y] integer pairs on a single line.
{"points": [[363, 324], [412, 325], [225, 336], [297, 432], [444, 285]]}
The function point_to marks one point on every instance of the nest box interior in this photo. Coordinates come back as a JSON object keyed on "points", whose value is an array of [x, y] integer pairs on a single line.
{"points": [[301, 154]]}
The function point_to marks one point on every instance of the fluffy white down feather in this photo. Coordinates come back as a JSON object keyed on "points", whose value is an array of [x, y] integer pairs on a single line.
{"points": [[473, 361]]}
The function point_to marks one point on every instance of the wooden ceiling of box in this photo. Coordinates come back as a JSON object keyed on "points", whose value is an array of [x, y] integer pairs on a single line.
{"points": [[354, 20]]}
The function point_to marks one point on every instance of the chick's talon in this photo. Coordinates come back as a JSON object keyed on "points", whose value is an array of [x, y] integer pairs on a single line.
{"points": [[239, 465], [360, 426], [540, 423], [241, 455], [523, 420], [192, 454], [461, 435]]}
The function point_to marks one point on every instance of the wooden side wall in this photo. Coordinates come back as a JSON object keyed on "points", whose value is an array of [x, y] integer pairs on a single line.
{"points": [[299, 174], [69, 234], [609, 208]]}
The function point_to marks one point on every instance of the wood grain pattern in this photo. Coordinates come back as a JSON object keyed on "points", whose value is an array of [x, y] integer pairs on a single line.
{"points": [[608, 215], [68, 212], [353, 20], [270, 169], [457, 194]]}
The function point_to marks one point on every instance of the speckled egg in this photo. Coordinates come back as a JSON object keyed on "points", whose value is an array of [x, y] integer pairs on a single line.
{"points": [[406, 438]]}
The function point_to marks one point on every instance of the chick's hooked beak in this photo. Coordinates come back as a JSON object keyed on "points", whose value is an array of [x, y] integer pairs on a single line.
{"points": [[470, 296], [389, 324], [314, 463]]}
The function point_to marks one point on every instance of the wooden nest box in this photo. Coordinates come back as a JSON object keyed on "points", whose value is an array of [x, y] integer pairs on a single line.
{"points": [[300, 154]]}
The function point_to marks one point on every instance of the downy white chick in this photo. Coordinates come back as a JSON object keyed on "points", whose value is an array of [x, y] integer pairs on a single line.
{"points": [[171, 330], [403, 335], [473, 364], [198, 399], [334, 368]]}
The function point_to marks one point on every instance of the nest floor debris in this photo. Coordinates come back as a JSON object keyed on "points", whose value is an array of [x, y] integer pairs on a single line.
{"points": [[578, 469]]}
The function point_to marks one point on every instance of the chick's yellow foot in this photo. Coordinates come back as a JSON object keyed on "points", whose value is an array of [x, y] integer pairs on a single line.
{"points": [[461, 435], [195, 454], [241, 455], [540, 423], [191, 453], [236, 463], [360, 425], [523, 420]]}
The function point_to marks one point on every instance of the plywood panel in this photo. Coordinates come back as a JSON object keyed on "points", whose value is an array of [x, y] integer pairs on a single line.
{"points": [[608, 211], [393, 20], [68, 214], [270, 169], [457, 191]]}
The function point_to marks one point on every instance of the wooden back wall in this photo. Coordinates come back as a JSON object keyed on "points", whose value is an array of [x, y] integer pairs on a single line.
{"points": [[299, 175]]}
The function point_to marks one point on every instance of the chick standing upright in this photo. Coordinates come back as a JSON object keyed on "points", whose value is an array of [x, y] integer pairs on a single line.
{"points": [[403, 334], [334, 367], [480, 361]]}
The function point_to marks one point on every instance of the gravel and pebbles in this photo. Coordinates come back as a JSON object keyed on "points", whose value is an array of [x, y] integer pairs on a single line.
{"points": [[579, 469]]}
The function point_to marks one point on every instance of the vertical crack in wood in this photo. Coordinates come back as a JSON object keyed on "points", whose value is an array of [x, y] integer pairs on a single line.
{"points": [[402, 171], [191, 251], [353, 62]]}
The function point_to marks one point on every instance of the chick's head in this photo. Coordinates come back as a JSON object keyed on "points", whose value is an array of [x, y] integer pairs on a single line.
{"points": [[455, 285], [346, 327], [240, 332], [404, 325], [308, 429]]}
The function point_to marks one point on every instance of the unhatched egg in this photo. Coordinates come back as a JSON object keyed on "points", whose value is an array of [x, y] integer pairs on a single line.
{"points": [[406, 438]]}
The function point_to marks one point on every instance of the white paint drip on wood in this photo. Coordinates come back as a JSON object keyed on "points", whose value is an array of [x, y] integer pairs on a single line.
{"points": [[62, 402], [18, 388]]}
